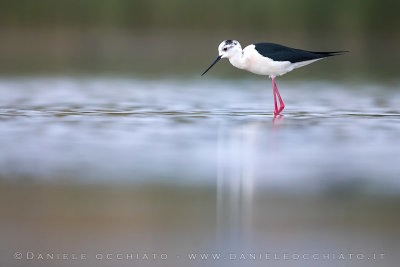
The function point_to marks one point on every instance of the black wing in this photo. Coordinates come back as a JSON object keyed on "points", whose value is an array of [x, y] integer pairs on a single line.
{"points": [[278, 52]]}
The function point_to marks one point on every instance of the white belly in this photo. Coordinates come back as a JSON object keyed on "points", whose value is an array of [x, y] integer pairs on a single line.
{"points": [[258, 64]]}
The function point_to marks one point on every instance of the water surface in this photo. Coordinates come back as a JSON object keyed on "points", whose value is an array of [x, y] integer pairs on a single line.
{"points": [[112, 165], [191, 131]]}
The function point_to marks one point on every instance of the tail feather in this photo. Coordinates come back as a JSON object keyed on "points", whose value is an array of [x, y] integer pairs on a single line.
{"points": [[330, 54]]}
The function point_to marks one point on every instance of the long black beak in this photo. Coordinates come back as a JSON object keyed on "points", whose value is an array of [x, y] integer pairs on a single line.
{"points": [[215, 62]]}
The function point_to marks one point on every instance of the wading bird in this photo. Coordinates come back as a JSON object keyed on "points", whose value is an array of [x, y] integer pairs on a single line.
{"points": [[268, 59]]}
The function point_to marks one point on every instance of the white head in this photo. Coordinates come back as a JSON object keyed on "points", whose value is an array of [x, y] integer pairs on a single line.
{"points": [[227, 49]]}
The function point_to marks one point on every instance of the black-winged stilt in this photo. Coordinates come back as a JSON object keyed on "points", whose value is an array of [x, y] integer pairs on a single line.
{"points": [[268, 59]]}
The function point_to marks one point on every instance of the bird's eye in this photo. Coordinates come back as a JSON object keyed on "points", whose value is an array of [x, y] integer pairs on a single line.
{"points": [[225, 49]]}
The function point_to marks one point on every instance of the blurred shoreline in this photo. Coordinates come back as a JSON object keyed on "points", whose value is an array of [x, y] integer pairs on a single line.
{"points": [[154, 53]]}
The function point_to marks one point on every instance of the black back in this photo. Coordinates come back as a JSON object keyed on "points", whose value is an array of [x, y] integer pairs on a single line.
{"points": [[279, 52]]}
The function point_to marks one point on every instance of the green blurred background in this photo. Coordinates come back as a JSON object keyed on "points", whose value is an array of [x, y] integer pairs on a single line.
{"points": [[179, 38]]}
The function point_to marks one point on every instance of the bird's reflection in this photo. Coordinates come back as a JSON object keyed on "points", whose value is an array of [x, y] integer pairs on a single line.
{"points": [[236, 182], [238, 152], [277, 121]]}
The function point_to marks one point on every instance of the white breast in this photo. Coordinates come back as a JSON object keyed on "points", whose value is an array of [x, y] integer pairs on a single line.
{"points": [[263, 65]]}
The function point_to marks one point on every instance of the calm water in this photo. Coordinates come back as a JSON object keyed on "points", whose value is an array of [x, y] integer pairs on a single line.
{"points": [[111, 165], [192, 131]]}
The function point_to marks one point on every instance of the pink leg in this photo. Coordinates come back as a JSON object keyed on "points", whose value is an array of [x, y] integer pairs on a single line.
{"points": [[276, 106], [276, 92]]}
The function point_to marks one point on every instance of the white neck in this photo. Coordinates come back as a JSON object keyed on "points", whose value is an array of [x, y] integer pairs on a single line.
{"points": [[238, 60]]}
